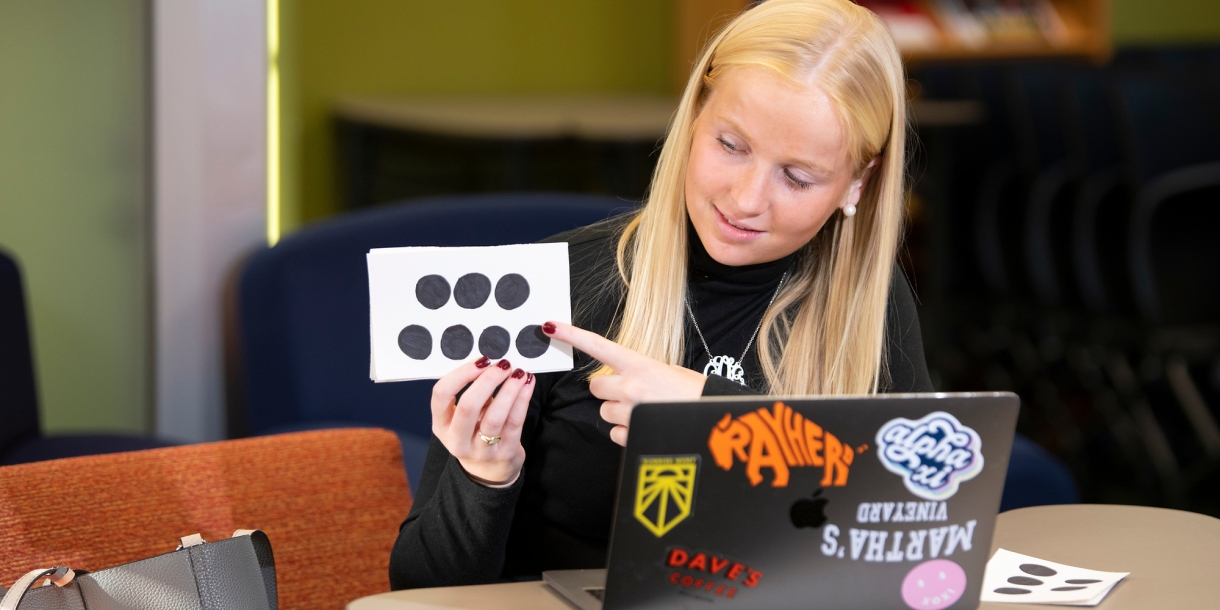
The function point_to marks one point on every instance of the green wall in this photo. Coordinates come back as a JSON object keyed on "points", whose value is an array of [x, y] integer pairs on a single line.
{"points": [[1161, 21], [498, 47], [396, 47], [72, 202]]}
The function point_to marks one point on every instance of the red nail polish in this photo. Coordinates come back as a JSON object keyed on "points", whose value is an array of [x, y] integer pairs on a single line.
{"points": [[518, 374], [504, 364], [529, 378], [548, 328], [482, 362]]}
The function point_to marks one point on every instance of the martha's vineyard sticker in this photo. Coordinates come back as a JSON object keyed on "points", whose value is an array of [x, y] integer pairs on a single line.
{"points": [[933, 455]]}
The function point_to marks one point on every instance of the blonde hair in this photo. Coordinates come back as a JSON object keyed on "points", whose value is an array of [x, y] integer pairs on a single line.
{"points": [[825, 332]]}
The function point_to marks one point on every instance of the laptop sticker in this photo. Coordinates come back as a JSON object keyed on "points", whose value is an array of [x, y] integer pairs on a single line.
{"points": [[809, 512], [665, 491], [877, 546], [933, 455], [709, 573], [933, 585], [778, 440]]}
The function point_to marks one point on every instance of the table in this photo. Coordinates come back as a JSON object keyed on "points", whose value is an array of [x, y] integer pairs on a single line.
{"points": [[1173, 557]]}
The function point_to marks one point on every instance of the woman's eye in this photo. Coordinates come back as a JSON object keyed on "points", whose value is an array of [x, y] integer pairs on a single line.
{"points": [[727, 145], [796, 182]]}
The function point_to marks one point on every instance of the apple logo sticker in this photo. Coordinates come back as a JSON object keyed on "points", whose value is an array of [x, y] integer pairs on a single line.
{"points": [[933, 585], [809, 512]]}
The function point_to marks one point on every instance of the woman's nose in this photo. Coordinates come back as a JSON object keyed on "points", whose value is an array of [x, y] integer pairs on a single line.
{"points": [[750, 190]]}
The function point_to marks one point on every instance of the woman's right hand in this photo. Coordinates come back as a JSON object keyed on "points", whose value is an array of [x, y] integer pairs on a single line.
{"points": [[458, 423]]}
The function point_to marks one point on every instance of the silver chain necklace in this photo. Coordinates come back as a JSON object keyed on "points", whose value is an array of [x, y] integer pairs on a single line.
{"points": [[726, 366]]}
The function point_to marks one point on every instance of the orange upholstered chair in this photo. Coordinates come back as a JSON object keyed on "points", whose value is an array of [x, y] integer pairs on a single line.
{"points": [[330, 501]]}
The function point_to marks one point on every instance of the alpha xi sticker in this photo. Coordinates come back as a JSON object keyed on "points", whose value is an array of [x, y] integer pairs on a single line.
{"points": [[665, 491], [932, 455]]}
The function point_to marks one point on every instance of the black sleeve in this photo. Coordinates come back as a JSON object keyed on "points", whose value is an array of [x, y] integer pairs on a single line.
{"points": [[457, 529], [906, 369]]}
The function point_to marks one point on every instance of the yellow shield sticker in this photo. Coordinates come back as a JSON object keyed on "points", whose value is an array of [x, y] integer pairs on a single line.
{"points": [[665, 491]]}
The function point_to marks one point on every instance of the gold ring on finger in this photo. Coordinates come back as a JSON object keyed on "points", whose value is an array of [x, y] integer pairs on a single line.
{"points": [[490, 440]]}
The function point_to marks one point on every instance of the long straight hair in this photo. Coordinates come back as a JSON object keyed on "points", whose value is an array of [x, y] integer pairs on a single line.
{"points": [[825, 332]]}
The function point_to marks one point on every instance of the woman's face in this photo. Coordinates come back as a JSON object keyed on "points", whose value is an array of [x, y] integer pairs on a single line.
{"points": [[768, 166]]}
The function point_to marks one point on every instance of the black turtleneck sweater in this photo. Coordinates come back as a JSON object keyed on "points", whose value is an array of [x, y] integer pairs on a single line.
{"points": [[557, 515], [728, 304]]}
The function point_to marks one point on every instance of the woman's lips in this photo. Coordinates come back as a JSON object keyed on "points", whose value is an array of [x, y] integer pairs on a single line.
{"points": [[733, 231]]}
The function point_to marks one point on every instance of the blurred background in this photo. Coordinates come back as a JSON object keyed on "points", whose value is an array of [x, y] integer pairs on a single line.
{"points": [[1065, 188]]}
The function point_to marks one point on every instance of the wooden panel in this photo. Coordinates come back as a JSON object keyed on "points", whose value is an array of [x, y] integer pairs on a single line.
{"points": [[1087, 25], [696, 21]]}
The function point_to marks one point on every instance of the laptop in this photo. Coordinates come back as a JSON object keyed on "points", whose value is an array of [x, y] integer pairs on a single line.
{"points": [[884, 501]]}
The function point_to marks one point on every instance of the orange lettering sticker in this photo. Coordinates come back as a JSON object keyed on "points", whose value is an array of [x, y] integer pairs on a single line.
{"points": [[778, 440]]}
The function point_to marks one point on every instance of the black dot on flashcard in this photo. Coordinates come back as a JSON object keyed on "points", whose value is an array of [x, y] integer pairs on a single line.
{"points": [[1081, 581], [1067, 588], [415, 341], [1024, 580], [512, 290], [532, 342], [494, 342], [472, 290], [456, 342], [1037, 570], [432, 291], [1011, 591]]}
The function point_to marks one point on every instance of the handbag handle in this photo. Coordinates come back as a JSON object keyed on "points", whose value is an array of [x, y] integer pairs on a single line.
{"points": [[266, 563], [60, 575]]}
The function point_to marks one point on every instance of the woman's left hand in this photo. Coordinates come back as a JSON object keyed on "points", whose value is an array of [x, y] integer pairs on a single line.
{"points": [[637, 378]]}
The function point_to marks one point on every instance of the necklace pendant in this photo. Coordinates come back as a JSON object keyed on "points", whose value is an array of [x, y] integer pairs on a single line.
{"points": [[727, 367]]}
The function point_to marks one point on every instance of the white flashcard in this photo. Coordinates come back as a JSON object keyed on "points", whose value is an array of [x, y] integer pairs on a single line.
{"points": [[431, 308], [1021, 579]]}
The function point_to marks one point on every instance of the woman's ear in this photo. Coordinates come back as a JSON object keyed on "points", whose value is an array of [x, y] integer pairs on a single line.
{"points": [[856, 189]]}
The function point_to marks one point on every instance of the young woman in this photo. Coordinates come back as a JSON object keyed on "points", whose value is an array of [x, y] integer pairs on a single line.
{"points": [[762, 262]]}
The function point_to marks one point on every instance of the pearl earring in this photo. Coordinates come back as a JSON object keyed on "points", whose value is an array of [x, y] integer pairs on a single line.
{"points": [[849, 210]]}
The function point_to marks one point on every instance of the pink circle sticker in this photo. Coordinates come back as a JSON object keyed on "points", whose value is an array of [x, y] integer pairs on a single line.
{"points": [[933, 585]]}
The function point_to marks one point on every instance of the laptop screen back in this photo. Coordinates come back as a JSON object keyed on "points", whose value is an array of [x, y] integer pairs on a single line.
{"points": [[865, 502]]}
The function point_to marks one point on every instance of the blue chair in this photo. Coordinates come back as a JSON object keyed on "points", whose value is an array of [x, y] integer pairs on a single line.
{"points": [[21, 437], [1036, 478], [304, 309]]}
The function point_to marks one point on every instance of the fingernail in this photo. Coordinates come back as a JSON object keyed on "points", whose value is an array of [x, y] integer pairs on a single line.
{"points": [[548, 328], [482, 362], [518, 374], [503, 364], [529, 378]]}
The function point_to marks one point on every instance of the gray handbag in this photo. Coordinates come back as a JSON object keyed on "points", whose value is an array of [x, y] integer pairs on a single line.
{"points": [[233, 574]]}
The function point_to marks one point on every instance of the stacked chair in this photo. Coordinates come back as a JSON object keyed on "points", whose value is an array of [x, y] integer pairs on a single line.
{"points": [[1087, 276]]}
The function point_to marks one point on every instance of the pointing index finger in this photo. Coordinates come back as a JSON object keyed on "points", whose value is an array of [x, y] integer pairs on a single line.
{"points": [[596, 346]]}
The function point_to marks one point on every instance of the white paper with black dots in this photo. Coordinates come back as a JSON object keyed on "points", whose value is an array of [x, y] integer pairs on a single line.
{"points": [[1021, 579], [431, 308]]}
